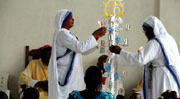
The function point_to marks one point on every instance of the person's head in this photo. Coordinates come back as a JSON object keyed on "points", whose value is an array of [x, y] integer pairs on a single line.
{"points": [[153, 27], [101, 60], [68, 22], [45, 54], [120, 97], [93, 79], [64, 19], [169, 95], [3, 95], [30, 93], [148, 30]]}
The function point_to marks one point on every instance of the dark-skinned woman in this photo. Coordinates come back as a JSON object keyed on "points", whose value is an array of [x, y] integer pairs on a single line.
{"points": [[160, 58], [65, 67]]}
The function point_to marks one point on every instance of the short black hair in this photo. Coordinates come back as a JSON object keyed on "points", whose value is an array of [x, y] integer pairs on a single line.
{"points": [[120, 97], [93, 78], [30, 93], [3, 95]]}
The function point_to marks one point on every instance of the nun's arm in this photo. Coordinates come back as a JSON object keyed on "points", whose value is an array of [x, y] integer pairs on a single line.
{"points": [[69, 41]]}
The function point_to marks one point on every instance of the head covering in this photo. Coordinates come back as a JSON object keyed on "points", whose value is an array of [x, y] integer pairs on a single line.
{"points": [[68, 14], [146, 26], [44, 51], [45, 46], [61, 18], [156, 24]]}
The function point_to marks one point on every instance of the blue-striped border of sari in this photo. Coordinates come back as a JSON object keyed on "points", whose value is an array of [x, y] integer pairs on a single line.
{"points": [[70, 68], [144, 83], [167, 63]]}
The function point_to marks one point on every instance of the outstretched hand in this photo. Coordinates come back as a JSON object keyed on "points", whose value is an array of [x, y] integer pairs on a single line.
{"points": [[99, 32], [115, 49]]}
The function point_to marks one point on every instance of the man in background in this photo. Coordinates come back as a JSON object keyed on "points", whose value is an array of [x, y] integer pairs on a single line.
{"points": [[36, 73]]}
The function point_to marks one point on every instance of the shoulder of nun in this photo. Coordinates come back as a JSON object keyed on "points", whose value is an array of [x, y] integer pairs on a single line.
{"points": [[62, 31]]}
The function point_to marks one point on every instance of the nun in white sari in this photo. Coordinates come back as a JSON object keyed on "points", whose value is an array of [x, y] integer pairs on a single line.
{"points": [[160, 58], [65, 70]]}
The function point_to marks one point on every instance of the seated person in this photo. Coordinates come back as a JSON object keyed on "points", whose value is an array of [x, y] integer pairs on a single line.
{"points": [[36, 73], [3, 95], [30, 93], [100, 64], [93, 81]]}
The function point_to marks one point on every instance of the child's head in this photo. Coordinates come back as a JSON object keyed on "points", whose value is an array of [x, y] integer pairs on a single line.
{"points": [[3, 95], [30, 93], [101, 60], [93, 79], [120, 97]]}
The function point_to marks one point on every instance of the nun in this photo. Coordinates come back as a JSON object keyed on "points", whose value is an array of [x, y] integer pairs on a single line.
{"points": [[160, 58], [65, 70]]}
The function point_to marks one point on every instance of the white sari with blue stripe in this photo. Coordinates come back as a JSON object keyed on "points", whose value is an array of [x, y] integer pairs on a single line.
{"points": [[59, 87], [162, 78]]}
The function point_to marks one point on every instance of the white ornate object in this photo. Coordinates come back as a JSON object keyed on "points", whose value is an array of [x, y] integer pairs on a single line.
{"points": [[113, 10]]}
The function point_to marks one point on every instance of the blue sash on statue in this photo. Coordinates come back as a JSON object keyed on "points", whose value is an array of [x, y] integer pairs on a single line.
{"points": [[70, 68], [166, 64]]}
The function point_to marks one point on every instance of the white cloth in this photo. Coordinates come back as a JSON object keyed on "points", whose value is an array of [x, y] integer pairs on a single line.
{"points": [[57, 70], [162, 79]]}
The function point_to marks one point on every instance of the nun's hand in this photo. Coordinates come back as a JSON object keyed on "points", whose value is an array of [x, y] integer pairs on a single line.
{"points": [[115, 49], [99, 32]]}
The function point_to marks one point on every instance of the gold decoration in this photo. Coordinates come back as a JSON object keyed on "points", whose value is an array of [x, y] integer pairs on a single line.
{"points": [[114, 7]]}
